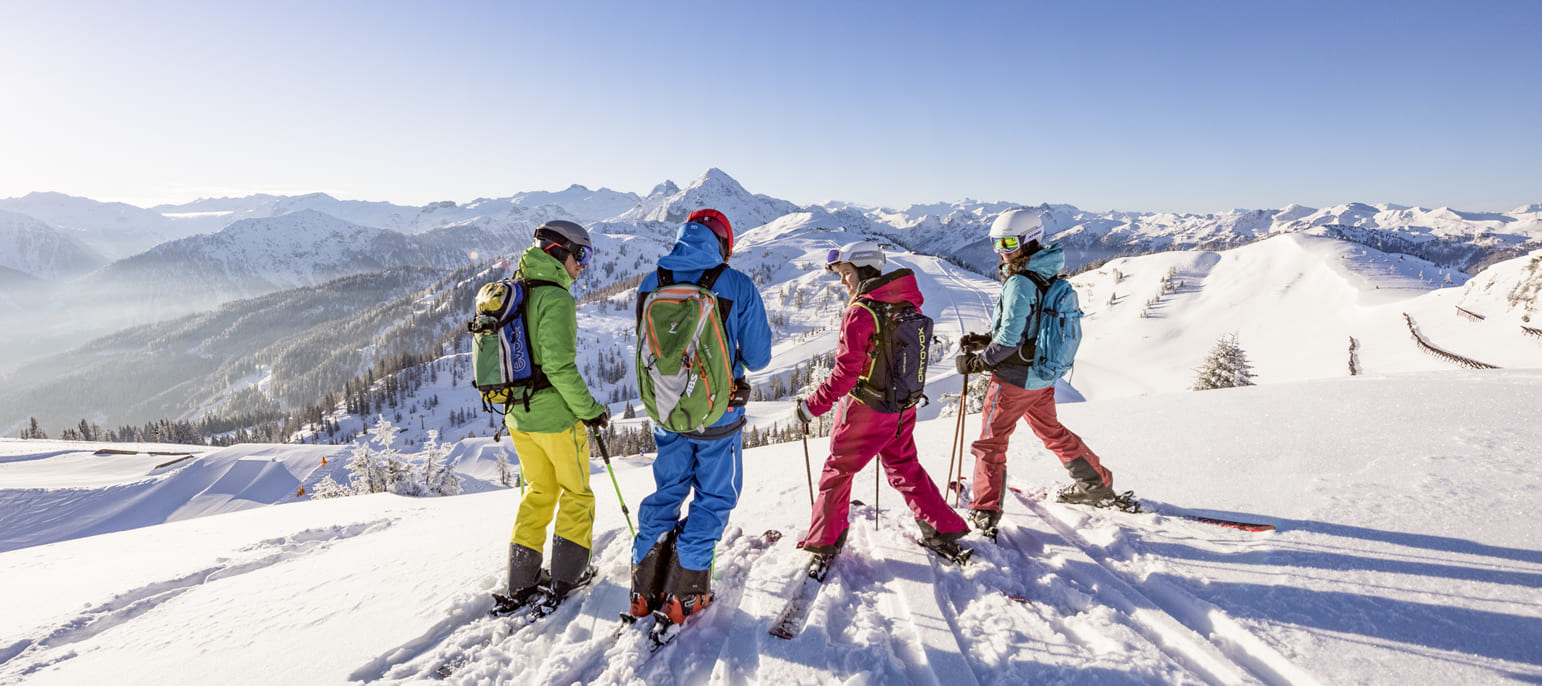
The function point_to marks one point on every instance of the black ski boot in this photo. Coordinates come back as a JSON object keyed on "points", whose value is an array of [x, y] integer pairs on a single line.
{"points": [[832, 549], [686, 592], [1088, 489], [1086, 493], [986, 522], [527, 581], [649, 575], [944, 544]]}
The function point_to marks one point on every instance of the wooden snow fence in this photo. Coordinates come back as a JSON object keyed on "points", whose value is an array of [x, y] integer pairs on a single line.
{"points": [[1470, 314], [172, 462], [1442, 354]]}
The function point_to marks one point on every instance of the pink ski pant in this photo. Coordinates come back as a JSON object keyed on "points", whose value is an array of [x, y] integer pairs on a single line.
{"points": [[1004, 404], [860, 433]]}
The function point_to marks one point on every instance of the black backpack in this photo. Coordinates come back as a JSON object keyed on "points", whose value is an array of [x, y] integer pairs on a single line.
{"points": [[896, 380]]}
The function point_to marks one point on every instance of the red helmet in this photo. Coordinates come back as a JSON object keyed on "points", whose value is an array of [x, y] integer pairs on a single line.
{"points": [[715, 220]]}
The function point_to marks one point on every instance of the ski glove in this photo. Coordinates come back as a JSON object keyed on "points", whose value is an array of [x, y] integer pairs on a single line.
{"points": [[801, 414], [599, 421], [971, 363], [974, 342]]}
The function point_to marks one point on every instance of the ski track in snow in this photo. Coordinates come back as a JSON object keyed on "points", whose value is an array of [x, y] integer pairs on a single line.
{"points": [[1196, 633], [562, 648], [27, 656]]}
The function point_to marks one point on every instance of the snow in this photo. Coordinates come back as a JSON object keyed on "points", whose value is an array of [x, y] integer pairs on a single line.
{"points": [[1389, 566]]}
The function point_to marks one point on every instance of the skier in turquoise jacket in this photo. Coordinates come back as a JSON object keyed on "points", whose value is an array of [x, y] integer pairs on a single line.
{"points": [[1015, 391]]}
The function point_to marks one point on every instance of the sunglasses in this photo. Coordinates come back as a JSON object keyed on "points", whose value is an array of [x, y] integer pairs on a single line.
{"points": [[1006, 244]]}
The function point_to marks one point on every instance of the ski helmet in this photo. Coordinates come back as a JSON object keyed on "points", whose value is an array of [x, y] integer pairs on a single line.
{"points": [[1025, 225], [720, 227], [567, 236], [859, 254]]}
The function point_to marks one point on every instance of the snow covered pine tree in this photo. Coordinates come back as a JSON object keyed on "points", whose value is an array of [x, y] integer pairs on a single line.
{"points": [[1226, 366]]}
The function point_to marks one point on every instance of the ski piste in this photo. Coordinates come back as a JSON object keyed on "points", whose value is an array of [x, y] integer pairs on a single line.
{"points": [[789, 622], [1126, 502]]}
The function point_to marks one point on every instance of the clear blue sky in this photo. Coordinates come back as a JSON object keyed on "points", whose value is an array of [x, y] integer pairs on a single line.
{"points": [[1142, 105]]}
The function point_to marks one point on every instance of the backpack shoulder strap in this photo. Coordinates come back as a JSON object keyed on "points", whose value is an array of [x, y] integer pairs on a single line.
{"points": [[1039, 280], [709, 277], [536, 283], [666, 278]]}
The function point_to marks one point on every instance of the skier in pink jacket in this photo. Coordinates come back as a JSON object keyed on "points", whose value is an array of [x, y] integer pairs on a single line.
{"points": [[863, 426]]}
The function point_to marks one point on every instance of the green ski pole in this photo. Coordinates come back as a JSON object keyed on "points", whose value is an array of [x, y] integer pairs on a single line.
{"points": [[605, 455]]}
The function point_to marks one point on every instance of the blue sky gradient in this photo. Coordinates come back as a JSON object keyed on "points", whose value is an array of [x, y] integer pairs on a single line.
{"points": [[1157, 106]]}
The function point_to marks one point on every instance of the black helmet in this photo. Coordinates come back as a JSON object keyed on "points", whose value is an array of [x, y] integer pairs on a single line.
{"points": [[560, 238], [563, 231]]}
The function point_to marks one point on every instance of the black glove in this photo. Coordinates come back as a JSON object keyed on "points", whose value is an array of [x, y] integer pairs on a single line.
{"points": [[974, 342], [599, 421], [971, 363], [801, 414]]}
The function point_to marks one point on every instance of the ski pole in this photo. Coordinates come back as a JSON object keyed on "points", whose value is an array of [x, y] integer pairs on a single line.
{"points": [[808, 469], [963, 444], [605, 455], [958, 434], [958, 494], [877, 482]]}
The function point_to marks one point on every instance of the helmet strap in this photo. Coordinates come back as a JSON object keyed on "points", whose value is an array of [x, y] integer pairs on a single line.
{"points": [[557, 250]]}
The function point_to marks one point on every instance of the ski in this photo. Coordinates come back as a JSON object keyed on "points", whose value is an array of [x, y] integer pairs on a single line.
{"points": [[1245, 526], [789, 622], [1126, 502]]}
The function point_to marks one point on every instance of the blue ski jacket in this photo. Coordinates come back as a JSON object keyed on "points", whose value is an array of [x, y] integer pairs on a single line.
{"points": [[1011, 320]]}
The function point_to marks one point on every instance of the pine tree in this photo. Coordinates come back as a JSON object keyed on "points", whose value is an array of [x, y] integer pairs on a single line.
{"points": [[1226, 366]]}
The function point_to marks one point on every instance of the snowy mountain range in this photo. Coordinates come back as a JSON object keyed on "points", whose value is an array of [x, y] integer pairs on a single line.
{"points": [[306, 247]]}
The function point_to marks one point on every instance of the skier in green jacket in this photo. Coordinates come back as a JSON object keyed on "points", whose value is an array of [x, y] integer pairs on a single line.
{"points": [[548, 432]]}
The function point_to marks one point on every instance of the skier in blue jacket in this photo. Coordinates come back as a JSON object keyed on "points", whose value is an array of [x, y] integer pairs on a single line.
{"points": [[671, 557]]}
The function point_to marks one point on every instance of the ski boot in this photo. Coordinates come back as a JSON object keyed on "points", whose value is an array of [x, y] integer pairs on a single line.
{"points": [[986, 522], [648, 577], [944, 544]]}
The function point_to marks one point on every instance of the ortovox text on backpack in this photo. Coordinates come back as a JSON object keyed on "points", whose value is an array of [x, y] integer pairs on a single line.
{"points": [[504, 368], [896, 379], [684, 366]]}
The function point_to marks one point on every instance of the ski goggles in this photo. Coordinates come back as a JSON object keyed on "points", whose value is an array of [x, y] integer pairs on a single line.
{"points": [[1006, 244], [833, 257], [582, 254]]}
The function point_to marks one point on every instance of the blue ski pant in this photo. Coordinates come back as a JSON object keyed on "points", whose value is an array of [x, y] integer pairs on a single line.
{"points": [[713, 470]]}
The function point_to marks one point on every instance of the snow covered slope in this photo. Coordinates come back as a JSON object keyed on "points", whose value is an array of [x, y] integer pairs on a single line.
{"points": [[113, 229], [1389, 564], [37, 249]]}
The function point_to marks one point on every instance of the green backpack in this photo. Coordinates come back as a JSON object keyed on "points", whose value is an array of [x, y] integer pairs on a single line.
{"points": [[684, 366]]}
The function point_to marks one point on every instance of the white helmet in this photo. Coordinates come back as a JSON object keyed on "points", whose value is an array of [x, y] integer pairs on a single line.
{"points": [[859, 254], [1027, 225]]}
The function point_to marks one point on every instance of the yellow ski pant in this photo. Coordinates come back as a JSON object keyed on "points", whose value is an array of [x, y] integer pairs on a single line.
{"points": [[556, 469]]}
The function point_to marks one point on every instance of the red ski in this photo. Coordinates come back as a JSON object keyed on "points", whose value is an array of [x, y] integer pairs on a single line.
{"points": [[1126, 500]]}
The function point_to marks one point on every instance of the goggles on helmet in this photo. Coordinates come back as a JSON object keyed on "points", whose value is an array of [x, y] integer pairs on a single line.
{"points": [[832, 258], [1006, 244]]}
